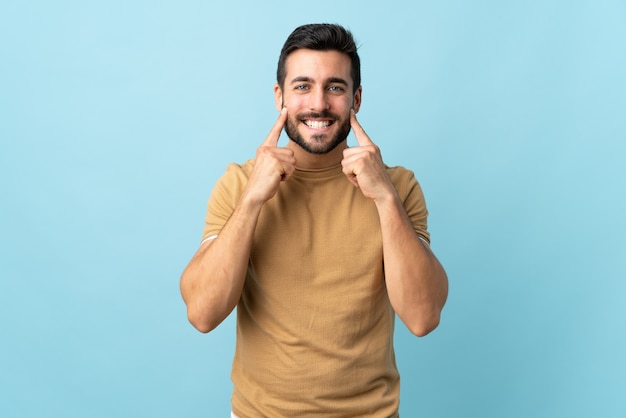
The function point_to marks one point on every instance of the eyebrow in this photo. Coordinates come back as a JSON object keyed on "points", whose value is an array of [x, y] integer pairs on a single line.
{"points": [[331, 80]]}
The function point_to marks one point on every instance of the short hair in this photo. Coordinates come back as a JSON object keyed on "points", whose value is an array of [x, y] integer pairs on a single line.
{"points": [[320, 37]]}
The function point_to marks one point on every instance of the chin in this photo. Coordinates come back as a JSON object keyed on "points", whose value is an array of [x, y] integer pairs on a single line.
{"points": [[317, 143]]}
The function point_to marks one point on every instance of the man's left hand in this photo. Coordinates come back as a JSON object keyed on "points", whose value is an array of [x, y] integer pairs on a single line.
{"points": [[363, 165]]}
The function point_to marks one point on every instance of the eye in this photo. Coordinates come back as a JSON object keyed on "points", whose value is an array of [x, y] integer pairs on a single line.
{"points": [[336, 89], [301, 87]]}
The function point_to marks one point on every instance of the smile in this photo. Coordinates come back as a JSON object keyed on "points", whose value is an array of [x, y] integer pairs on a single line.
{"points": [[317, 124]]}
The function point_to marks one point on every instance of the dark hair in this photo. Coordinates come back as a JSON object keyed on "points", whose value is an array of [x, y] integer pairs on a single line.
{"points": [[320, 37]]}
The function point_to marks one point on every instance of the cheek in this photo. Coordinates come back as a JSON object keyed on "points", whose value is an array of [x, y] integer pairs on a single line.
{"points": [[293, 103], [343, 104]]}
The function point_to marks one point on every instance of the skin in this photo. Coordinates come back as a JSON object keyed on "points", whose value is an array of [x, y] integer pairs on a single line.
{"points": [[317, 102]]}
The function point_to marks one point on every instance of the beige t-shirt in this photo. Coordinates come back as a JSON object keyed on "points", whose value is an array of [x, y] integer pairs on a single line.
{"points": [[314, 322]]}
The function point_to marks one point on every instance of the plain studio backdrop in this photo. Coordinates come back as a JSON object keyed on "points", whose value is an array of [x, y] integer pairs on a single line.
{"points": [[117, 118]]}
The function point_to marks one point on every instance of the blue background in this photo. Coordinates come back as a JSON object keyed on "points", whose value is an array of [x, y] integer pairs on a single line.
{"points": [[116, 119]]}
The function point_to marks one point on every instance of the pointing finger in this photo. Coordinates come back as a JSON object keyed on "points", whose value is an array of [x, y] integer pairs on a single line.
{"points": [[272, 138], [359, 132]]}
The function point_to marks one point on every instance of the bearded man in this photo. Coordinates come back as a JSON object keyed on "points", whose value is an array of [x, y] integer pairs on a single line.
{"points": [[319, 246]]}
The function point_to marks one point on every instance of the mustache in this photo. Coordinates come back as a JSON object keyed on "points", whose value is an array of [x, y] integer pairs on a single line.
{"points": [[318, 115]]}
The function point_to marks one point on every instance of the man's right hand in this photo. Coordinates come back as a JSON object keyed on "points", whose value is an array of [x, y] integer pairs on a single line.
{"points": [[272, 165]]}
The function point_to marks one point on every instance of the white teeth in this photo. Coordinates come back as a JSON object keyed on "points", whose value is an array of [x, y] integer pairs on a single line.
{"points": [[315, 124]]}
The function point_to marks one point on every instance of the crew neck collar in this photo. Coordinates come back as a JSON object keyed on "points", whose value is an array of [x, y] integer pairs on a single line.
{"points": [[318, 172]]}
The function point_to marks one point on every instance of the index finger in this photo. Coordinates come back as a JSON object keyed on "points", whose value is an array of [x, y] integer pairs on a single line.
{"points": [[272, 138], [359, 132]]}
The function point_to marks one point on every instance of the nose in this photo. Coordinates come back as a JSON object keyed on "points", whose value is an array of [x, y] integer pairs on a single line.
{"points": [[318, 100]]}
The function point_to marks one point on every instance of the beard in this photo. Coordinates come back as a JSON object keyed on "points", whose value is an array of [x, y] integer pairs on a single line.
{"points": [[317, 144]]}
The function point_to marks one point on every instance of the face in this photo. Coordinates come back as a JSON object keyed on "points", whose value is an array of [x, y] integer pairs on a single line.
{"points": [[318, 94]]}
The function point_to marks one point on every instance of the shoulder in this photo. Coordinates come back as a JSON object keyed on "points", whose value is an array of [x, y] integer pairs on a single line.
{"points": [[236, 173], [233, 180], [399, 172], [403, 180], [238, 169]]}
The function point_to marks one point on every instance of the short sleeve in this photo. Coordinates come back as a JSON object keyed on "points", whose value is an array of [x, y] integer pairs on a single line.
{"points": [[412, 197], [224, 198]]}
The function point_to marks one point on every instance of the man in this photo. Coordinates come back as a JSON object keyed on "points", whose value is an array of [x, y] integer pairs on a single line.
{"points": [[318, 245]]}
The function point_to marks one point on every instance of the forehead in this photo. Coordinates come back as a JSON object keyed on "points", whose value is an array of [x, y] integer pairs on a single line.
{"points": [[318, 65]]}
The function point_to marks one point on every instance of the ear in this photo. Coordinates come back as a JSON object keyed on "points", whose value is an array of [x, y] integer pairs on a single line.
{"points": [[356, 100], [278, 97]]}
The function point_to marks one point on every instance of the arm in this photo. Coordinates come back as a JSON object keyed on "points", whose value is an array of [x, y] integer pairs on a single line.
{"points": [[416, 282], [212, 282]]}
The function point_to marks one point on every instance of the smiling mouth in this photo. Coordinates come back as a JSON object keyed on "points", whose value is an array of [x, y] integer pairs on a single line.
{"points": [[317, 124]]}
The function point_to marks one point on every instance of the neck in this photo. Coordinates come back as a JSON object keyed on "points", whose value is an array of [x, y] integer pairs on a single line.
{"points": [[308, 161]]}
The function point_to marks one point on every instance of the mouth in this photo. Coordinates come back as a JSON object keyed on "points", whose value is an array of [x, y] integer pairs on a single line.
{"points": [[318, 124]]}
